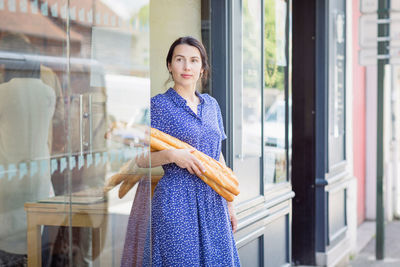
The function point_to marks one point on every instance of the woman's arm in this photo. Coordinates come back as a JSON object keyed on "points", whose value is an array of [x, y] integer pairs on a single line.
{"points": [[181, 157], [231, 208], [157, 159]]}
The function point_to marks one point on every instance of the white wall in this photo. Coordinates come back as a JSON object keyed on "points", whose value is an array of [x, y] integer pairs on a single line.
{"points": [[387, 135], [396, 151], [389, 173], [169, 20]]}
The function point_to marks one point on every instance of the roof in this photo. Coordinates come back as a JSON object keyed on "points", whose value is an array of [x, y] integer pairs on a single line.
{"points": [[39, 22]]}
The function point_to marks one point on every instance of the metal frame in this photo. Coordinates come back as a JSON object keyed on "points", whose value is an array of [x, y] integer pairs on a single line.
{"points": [[278, 203], [329, 178], [304, 135], [220, 62], [321, 122]]}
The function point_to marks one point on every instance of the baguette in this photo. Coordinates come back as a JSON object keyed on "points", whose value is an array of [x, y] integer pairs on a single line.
{"points": [[126, 170], [221, 191], [216, 175], [159, 145], [115, 180], [220, 169], [213, 170], [228, 171], [175, 142], [128, 183], [214, 179]]}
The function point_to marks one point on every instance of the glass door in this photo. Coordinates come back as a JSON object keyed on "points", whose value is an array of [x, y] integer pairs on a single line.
{"points": [[33, 91], [74, 93]]}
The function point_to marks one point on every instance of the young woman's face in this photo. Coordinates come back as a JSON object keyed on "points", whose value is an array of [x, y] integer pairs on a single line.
{"points": [[186, 65]]}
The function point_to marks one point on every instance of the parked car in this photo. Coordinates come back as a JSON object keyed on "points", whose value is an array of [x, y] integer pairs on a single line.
{"points": [[274, 142], [274, 125]]}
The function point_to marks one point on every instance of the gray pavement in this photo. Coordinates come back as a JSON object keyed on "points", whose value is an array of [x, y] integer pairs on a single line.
{"points": [[366, 257]]}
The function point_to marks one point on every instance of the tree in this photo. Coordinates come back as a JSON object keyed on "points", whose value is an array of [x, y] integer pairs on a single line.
{"points": [[274, 75]]}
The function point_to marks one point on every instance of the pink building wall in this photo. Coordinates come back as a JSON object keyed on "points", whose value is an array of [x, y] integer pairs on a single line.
{"points": [[359, 103]]}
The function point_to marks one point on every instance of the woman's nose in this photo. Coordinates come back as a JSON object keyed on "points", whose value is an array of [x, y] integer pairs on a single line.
{"points": [[187, 66]]}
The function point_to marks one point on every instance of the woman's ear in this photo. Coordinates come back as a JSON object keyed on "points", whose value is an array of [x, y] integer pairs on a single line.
{"points": [[169, 67]]}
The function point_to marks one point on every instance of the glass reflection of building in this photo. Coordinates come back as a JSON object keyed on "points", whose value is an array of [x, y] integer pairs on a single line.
{"points": [[96, 63], [73, 108]]}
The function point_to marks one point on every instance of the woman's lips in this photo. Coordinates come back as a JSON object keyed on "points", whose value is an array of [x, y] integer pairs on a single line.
{"points": [[186, 76]]}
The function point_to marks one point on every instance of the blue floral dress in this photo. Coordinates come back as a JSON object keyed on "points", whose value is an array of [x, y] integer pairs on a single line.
{"points": [[190, 221]]}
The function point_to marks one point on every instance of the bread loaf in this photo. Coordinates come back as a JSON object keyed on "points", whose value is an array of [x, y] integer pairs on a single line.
{"points": [[126, 170], [115, 180], [220, 190], [176, 143], [128, 183], [214, 178]]}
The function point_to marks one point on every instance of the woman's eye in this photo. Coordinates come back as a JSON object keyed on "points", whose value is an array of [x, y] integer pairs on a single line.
{"points": [[178, 59]]}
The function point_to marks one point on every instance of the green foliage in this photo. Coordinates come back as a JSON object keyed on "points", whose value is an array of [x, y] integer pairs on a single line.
{"points": [[274, 75], [143, 15]]}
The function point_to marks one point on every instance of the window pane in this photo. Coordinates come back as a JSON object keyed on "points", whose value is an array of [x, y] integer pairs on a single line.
{"points": [[74, 102], [119, 104], [337, 72], [275, 104], [251, 95], [247, 103], [33, 83]]}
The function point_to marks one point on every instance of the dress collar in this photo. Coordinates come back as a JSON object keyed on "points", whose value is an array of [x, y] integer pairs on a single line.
{"points": [[178, 99]]}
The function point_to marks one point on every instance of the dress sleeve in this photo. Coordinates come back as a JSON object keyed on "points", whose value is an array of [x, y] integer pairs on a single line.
{"points": [[220, 121], [155, 114]]}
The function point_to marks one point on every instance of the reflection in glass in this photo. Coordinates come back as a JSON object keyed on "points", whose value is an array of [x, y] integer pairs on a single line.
{"points": [[247, 141], [73, 114], [26, 108], [251, 92], [275, 72], [337, 73]]}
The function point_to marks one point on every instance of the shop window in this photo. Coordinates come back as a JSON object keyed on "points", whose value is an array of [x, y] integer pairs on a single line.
{"points": [[261, 95], [74, 101], [277, 115], [337, 86], [247, 95]]}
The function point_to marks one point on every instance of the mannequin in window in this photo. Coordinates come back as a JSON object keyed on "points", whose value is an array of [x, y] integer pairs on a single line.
{"points": [[26, 110], [19, 43]]}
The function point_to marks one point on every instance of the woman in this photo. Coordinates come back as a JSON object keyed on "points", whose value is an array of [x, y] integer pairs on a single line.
{"points": [[191, 224]]}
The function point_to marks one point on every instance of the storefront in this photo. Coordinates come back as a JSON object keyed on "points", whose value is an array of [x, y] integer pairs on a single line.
{"points": [[83, 73], [324, 209], [257, 102], [75, 89]]}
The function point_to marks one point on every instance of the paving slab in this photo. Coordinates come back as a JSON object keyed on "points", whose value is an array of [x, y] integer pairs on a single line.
{"points": [[366, 257]]}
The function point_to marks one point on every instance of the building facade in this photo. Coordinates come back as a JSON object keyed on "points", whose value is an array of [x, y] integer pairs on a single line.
{"points": [[282, 72]]}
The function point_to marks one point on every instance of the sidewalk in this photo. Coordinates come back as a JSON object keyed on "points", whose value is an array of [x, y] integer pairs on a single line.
{"points": [[366, 257]]}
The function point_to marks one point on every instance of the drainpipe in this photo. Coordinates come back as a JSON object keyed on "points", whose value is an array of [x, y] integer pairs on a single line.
{"points": [[394, 144], [388, 145]]}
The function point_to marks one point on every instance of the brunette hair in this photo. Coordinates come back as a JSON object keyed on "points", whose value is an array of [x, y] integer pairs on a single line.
{"points": [[189, 40]]}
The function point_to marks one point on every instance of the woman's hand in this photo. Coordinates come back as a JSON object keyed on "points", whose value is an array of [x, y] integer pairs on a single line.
{"points": [[186, 160], [232, 215]]}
